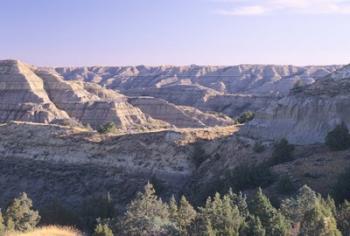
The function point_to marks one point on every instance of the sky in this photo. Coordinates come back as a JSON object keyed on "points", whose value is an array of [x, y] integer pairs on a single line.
{"points": [[175, 32]]}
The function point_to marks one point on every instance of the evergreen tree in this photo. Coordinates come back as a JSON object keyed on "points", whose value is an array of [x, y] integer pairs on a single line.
{"points": [[102, 230], [343, 218], [294, 208], [272, 220], [146, 215], [10, 225], [20, 214], [329, 203], [310, 211], [261, 207], [209, 231], [279, 225], [185, 216], [253, 227], [173, 209], [220, 217], [181, 216], [240, 201], [319, 221]]}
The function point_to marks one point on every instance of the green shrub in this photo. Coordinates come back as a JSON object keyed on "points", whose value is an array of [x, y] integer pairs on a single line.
{"points": [[20, 214], [246, 117], [107, 128], [282, 152], [271, 219], [338, 138]]}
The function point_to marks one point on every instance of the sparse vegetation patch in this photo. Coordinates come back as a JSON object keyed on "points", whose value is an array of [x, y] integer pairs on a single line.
{"points": [[246, 117], [109, 127]]}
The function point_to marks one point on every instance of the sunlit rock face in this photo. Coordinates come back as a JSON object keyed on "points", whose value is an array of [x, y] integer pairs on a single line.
{"points": [[23, 96], [307, 114], [43, 96]]}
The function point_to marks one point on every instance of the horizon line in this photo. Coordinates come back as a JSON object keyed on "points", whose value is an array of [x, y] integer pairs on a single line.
{"points": [[178, 65]]}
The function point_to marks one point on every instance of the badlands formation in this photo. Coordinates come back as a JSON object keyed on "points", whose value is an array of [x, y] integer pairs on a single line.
{"points": [[308, 113], [175, 126], [42, 95]]}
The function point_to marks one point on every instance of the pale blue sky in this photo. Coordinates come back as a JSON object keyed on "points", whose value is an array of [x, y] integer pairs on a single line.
{"points": [[179, 32]]}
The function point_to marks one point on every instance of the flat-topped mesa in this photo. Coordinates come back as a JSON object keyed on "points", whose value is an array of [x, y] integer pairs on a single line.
{"points": [[23, 96], [307, 114]]}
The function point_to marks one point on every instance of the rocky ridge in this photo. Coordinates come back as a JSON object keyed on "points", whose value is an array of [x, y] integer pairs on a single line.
{"points": [[308, 113], [42, 95], [227, 89]]}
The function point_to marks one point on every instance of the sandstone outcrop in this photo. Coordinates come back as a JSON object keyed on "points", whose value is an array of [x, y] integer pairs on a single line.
{"points": [[308, 113], [23, 96], [94, 105], [38, 95]]}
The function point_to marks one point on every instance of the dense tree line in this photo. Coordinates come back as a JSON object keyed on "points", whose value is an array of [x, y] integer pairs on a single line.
{"points": [[305, 214]]}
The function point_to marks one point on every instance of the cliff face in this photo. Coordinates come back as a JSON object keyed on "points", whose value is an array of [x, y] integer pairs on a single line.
{"points": [[42, 95], [308, 113], [37, 95], [23, 96], [94, 105]]}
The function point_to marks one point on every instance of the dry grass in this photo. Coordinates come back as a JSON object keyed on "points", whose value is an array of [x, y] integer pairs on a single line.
{"points": [[49, 231]]}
